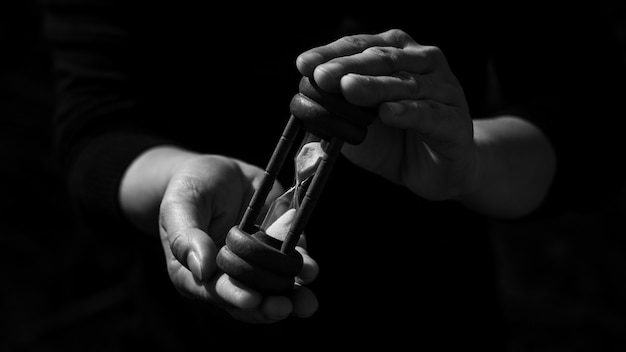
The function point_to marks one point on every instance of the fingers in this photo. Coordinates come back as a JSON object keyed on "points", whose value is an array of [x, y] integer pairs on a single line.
{"points": [[378, 61], [305, 302], [302, 304], [408, 114], [184, 280], [253, 308], [250, 306], [271, 310], [309, 270], [241, 302], [371, 91], [349, 45], [236, 294], [434, 120], [372, 69], [375, 55]]}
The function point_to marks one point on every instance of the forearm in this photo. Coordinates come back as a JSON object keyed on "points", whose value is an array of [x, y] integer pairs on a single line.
{"points": [[144, 183], [515, 168]]}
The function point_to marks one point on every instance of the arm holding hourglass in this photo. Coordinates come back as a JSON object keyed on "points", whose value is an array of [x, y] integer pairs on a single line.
{"points": [[424, 139]]}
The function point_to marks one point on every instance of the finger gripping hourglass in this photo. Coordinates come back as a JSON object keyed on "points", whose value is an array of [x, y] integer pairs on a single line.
{"points": [[261, 254]]}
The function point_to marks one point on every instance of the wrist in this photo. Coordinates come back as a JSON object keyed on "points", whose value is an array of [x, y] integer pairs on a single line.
{"points": [[514, 168], [475, 174]]}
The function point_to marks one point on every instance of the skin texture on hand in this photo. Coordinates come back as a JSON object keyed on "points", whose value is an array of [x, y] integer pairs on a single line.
{"points": [[198, 199], [404, 79], [424, 137]]}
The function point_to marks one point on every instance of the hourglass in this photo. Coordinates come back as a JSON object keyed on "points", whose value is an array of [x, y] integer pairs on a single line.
{"points": [[260, 253]]}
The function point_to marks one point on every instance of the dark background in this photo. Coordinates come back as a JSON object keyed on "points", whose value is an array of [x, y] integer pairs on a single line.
{"points": [[563, 280]]}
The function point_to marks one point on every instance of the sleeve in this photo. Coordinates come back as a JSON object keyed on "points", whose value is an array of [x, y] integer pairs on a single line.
{"points": [[94, 137], [567, 77]]}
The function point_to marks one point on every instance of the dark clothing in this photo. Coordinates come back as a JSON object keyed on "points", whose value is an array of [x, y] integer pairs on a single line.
{"points": [[132, 76]]}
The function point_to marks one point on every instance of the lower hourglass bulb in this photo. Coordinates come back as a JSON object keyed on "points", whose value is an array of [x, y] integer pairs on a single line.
{"points": [[282, 211]]}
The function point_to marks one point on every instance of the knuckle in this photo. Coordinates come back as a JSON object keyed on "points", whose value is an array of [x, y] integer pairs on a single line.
{"points": [[177, 242], [398, 37], [415, 86], [185, 189], [356, 41], [433, 53], [390, 57]]}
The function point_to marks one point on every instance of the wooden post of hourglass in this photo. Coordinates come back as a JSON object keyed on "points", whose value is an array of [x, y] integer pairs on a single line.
{"points": [[248, 221], [250, 255]]}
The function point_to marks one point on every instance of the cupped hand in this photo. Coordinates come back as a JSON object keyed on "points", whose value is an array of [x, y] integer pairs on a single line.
{"points": [[205, 197], [423, 137]]}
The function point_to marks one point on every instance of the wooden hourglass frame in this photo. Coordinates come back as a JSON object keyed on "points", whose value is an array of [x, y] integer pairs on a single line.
{"points": [[250, 255]]}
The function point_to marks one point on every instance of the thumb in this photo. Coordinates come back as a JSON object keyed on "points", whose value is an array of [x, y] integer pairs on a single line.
{"points": [[182, 236], [195, 250]]}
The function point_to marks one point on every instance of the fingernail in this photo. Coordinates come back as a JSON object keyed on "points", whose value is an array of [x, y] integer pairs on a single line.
{"points": [[395, 108], [328, 76], [333, 69], [361, 79], [193, 263], [307, 62]]}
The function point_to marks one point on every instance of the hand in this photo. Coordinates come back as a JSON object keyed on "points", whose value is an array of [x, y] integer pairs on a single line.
{"points": [[423, 138], [202, 197]]}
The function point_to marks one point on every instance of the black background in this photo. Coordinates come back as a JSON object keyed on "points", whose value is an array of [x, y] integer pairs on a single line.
{"points": [[563, 280]]}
